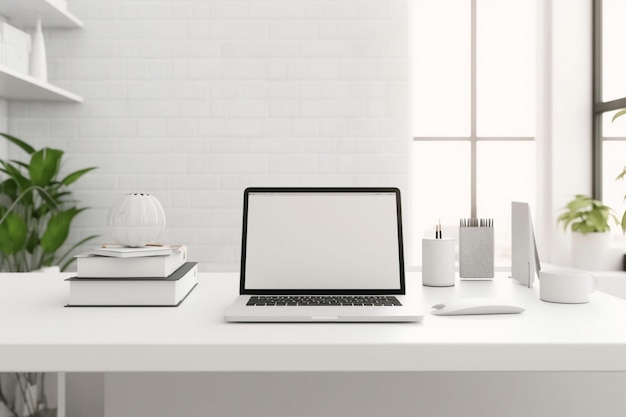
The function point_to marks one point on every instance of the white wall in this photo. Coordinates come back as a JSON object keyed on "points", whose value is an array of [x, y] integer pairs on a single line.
{"points": [[570, 128], [4, 125], [4, 117], [193, 101]]}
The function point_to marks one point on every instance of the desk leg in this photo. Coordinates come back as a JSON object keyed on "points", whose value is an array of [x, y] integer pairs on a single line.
{"points": [[61, 394]]}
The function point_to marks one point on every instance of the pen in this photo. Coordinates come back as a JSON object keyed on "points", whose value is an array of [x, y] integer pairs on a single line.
{"points": [[473, 222]]}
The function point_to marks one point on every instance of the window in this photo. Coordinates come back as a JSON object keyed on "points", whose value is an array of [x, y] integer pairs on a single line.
{"points": [[609, 96], [474, 111]]}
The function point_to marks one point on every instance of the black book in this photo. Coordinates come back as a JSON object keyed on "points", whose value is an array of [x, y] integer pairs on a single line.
{"points": [[170, 291]]}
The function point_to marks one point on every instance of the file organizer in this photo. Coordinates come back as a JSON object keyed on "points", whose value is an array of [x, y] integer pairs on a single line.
{"points": [[476, 249]]}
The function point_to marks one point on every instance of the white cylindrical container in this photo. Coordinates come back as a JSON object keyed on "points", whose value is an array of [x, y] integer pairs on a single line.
{"points": [[438, 262], [38, 57], [570, 287]]}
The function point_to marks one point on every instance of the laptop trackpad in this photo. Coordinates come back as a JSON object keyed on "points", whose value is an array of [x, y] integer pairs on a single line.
{"points": [[324, 318]]}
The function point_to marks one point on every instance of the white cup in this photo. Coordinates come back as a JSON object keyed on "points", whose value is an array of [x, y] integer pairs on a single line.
{"points": [[438, 262], [570, 287]]}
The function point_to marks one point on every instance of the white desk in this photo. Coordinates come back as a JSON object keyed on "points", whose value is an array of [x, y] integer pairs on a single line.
{"points": [[40, 334]]}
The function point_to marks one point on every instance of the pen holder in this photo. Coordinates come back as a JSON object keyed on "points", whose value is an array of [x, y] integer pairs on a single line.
{"points": [[438, 262], [476, 253]]}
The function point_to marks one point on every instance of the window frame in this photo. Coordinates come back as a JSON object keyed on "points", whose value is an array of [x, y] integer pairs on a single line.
{"points": [[473, 137], [599, 106]]}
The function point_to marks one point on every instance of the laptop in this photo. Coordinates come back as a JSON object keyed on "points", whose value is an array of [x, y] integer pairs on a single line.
{"points": [[322, 255]]}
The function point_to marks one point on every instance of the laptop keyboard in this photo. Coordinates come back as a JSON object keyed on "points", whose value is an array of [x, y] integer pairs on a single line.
{"points": [[324, 300]]}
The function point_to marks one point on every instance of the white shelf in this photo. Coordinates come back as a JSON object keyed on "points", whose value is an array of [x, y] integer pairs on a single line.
{"points": [[21, 87], [25, 12]]}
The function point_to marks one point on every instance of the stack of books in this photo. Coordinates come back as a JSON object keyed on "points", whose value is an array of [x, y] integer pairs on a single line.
{"points": [[122, 276]]}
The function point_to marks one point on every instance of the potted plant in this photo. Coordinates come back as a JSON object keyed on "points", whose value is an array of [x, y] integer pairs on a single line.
{"points": [[589, 220], [36, 210]]}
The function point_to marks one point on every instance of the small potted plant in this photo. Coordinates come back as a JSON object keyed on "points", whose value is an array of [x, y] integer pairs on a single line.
{"points": [[589, 220], [36, 210]]}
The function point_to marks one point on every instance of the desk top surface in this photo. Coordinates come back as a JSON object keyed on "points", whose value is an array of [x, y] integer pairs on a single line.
{"points": [[40, 334]]}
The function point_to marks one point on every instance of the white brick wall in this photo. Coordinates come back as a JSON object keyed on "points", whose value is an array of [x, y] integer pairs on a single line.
{"points": [[4, 127], [194, 100]]}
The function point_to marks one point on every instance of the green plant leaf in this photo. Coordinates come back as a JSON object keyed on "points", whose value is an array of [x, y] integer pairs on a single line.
{"points": [[21, 182], [25, 146], [13, 233], [59, 196], [76, 175], [72, 259], [50, 201], [9, 188], [36, 220], [44, 166], [58, 229], [33, 241], [20, 163], [566, 219], [12, 171], [579, 203], [618, 114], [598, 220], [585, 214]]}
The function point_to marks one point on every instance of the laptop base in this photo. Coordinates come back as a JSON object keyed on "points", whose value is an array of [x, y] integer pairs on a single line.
{"points": [[240, 312]]}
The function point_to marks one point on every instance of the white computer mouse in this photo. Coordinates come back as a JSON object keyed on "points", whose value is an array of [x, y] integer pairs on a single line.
{"points": [[466, 306]]}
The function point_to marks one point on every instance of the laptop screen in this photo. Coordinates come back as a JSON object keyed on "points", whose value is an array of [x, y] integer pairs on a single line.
{"points": [[322, 241]]}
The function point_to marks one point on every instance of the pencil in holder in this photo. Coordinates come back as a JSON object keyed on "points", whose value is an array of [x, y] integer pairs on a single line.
{"points": [[476, 249]]}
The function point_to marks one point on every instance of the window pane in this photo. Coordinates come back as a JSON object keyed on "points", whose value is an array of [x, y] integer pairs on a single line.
{"points": [[441, 68], [614, 59], [505, 90], [506, 172], [613, 129], [441, 189], [613, 191]]}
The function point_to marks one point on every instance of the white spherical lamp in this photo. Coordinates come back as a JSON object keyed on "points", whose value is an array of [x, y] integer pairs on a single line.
{"points": [[136, 219]]}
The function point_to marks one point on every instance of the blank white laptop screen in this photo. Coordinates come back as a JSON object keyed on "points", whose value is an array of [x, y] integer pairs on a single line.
{"points": [[323, 240]]}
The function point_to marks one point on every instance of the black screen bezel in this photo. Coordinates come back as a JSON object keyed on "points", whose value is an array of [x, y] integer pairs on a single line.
{"points": [[250, 190]]}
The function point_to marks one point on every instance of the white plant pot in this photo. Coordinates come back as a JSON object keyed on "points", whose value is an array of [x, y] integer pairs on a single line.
{"points": [[136, 219], [591, 251]]}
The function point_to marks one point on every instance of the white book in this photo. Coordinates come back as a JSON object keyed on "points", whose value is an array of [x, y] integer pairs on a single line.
{"points": [[171, 291], [89, 265], [118, 251]]}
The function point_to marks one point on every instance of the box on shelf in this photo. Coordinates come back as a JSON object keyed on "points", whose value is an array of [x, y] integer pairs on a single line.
{"points": [[15, 45]]}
